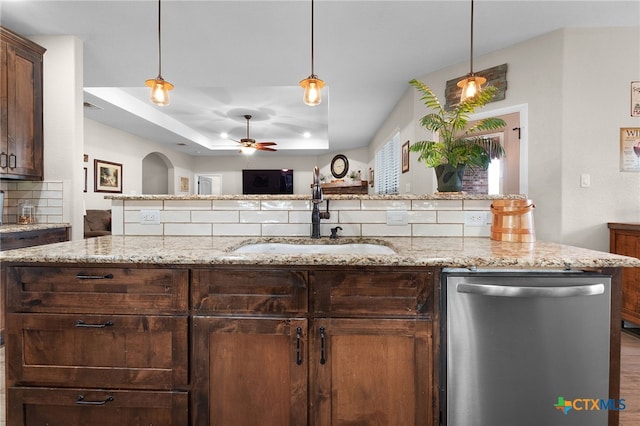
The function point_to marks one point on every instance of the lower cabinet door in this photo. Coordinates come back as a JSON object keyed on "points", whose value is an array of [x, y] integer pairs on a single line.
{"points": [[371, 372], [249, 371], [82, 407]]}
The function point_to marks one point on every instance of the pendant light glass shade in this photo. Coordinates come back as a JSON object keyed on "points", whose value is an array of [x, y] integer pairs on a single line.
{"points": [[312, 85], [159, 90], [472, 84], [159, 86]]}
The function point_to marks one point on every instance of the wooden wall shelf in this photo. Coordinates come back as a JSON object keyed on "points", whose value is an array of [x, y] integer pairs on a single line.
{"points": [[352, 187]]}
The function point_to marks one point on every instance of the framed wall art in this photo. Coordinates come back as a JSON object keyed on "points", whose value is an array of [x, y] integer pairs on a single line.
{"points": [[630, 149], [405, 157], [108, 176], [184, 184], [635, 98]]}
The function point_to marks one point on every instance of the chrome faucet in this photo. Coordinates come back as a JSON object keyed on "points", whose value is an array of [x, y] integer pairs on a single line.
{"points": [[316, 198]]}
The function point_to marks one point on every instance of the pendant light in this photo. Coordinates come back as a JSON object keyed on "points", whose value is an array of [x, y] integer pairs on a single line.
{"points": [[472, 83], [312, 84], [159, 86]]}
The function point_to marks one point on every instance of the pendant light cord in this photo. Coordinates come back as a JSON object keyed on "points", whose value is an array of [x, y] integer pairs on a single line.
{"points": [[159, 39], [471, 50], [312, 43]]}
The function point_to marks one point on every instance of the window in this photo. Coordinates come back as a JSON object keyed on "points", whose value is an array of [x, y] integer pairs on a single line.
{"points": [[387, 167]]}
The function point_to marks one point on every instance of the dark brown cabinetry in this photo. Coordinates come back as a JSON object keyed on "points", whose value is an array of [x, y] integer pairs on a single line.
{"points": [[624, 238], [21, 122], [258, 352], [96, 345], [274, 346], [34, 237]]}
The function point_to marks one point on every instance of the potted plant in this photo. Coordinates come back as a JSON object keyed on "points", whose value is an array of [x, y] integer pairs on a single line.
{"points": [[457, 147]]}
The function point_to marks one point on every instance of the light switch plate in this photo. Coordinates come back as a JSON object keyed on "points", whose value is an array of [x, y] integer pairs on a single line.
{"points": [[397, 217], [149, 217]]}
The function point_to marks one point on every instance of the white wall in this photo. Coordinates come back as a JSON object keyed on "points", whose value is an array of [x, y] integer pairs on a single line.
{"points": [[109, 144], [575, 85], [230, 167], [63, 123]]}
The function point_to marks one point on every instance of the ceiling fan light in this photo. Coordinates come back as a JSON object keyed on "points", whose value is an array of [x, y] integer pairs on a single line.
{"points": [[312, 86], [159, 90], [247, 150], [471, 86]]}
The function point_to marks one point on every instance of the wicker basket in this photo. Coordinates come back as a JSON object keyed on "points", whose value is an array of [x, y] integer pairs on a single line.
{"points": [[513, 221]]}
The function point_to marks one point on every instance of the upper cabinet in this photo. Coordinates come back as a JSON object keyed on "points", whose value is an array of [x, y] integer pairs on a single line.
{"points": [[21, 139]]}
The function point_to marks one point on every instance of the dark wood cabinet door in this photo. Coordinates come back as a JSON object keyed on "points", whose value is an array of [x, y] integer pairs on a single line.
{"points": [[22, 113], [249, 371], [82, 407], [627, 242], [371, 372], [97, 351]]}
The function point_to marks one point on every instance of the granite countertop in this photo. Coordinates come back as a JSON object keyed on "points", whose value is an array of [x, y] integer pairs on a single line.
{"points": [[435, 196], [15, 227], [423, 251]]}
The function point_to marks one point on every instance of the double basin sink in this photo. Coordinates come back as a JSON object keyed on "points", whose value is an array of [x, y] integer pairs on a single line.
{"points": [[314, 248]]}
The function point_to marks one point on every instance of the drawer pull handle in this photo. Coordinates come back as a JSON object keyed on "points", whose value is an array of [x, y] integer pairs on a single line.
{"points": [[81, 323], [80, 401], [323, 359], [94, 277], [298, 354]]}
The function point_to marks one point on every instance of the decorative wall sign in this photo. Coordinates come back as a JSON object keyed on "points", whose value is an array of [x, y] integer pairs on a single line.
{"points": [[630, 149], [635, 98], [108, 176], [184, 184], [405, 157]]}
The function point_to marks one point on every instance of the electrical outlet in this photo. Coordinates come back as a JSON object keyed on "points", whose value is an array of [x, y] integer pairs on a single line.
{"points": [[149, 217], [475, 218]]}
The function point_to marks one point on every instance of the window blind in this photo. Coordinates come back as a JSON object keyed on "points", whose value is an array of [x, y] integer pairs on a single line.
{"points": [[387, 167]]}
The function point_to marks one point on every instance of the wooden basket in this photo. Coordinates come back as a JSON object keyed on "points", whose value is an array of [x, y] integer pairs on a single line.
{"points": [[513, 221]]}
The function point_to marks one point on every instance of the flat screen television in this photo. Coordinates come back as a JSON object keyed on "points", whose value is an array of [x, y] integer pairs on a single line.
{"points": [[267, 181]]}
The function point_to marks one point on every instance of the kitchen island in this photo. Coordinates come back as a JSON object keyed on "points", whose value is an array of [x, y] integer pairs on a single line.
{"points": [[184, 330]]}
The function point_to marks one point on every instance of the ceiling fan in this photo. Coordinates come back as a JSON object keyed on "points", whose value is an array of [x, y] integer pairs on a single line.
{"points": [[250, 145]]}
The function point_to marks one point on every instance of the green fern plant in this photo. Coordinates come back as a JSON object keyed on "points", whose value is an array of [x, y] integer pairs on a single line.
{"points": [[457, 145]]}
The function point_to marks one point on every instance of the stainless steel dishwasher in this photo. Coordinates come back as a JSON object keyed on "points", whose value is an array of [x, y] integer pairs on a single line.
{"points": [[516, 342]]}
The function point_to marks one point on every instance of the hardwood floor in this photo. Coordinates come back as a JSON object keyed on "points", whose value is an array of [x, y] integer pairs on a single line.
{"points": [[629, 380]]}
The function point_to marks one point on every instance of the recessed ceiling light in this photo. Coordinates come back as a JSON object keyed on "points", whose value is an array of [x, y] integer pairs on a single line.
{"points": [[224, 135], [307, 134]]}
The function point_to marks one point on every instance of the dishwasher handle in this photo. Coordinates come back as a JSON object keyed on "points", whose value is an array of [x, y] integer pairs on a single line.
{"points": [[527, 291]]}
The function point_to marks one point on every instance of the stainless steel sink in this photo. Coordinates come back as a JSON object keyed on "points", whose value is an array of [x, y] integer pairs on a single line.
{"points": [[292, 248]]}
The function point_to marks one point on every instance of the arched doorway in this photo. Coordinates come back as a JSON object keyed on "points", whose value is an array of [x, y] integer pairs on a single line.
{"points": [[157, 173]]}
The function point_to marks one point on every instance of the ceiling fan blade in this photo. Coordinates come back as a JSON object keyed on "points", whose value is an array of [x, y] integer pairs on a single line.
{"points": [[267, 143], [264, 148]]}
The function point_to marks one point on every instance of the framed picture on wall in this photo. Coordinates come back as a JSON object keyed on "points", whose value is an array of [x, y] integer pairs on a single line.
{"points": [[184, 184], [635, 98], [108, 176], [630, 149], [405, 157]]}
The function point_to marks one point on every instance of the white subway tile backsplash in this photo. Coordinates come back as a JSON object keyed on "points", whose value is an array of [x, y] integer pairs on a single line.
{"points": [[143, 205], [175, 216], [54, 186], [385, 204], [477, 231], [476, 204], [187, 205], [264, 216], [436, 204], [226, 216], [422, 216], [237, 229], [287, 230], [437, 230], [359, 216], [47, 194], [137, 229], [374, 230], [450, 216], [236, 204], [198, 229], [285, 205], [344, 205]]}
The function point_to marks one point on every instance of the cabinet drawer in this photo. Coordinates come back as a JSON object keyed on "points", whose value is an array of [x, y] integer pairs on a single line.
{"points": [[372, 292], [106, 351], [238, 291], [104, 290], [80, 407], [13, 240]]}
